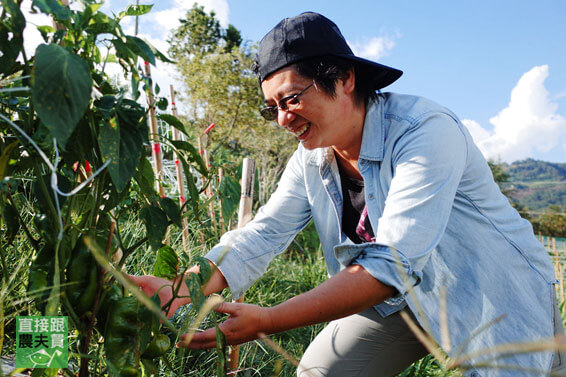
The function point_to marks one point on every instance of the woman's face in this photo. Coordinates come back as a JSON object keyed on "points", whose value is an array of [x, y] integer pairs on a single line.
{"points": [[317, 120]]}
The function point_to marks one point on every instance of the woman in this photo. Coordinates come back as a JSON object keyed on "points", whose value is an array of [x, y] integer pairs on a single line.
{"points": [[407, 213]]}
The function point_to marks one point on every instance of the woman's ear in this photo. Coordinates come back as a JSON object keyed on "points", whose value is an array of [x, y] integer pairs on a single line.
{"points": [[349, 81]]}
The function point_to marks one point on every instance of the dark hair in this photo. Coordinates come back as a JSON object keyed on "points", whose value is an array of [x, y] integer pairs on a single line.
{"points": [[327, 70]]}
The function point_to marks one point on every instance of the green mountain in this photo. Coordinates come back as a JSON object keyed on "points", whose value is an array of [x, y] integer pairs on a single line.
{"points": [[536, 184]]}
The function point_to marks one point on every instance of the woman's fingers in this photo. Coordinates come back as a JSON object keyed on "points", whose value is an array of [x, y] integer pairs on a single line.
{"points": [[226, 308], [202, 340], [244, 324]]}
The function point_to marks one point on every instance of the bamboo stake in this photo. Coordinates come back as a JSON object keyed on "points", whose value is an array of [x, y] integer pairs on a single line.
{"points": [[209, 193], [244, 216], [201, 152], [180, 177], [561, 283], [220, 178], [156, 150]]}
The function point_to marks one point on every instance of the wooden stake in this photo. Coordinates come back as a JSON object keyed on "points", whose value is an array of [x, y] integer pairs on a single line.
{"points": [[220, 178], [244, 216], [180, 177], [209, 193], [156, 148], [561, 272]]}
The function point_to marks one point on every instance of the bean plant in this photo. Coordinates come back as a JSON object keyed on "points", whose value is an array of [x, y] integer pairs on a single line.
{"points": [[74, 168]]}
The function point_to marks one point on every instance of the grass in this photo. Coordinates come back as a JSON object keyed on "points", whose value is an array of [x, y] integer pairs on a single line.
{"points": [[298, 270]]}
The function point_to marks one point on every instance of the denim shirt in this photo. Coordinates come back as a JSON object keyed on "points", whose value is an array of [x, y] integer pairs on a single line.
{"points": [[442, 227]]}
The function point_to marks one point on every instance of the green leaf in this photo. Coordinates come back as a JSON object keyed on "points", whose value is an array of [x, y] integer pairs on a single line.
{"points": [[192, 281], [140, 48], [94, 7], [171, 209], [61, 89], [173, 121], [53, 7], [193, 154], [193, 191], [41, 276], [100, 23], [46, 228], [155, 224], [159, 55], [136, 10], [45, 30], [204, 268], [11, 35], [230, 192], [109, 143], [43, 200], [121, 139], [83, 18], [167, 263], [145, 178], [162, 103], [5, 158]]}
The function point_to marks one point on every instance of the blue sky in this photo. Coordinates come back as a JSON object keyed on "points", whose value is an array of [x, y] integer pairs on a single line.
{"points": [[499, 65]]}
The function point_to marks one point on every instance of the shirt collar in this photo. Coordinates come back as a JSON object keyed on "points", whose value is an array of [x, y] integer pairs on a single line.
{"points": [[373, 137]]}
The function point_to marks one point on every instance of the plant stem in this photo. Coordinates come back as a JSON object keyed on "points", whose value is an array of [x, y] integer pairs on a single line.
{"points": [[130, 250], [85, 345], [32, 240], [43, 187], [4, 266]]}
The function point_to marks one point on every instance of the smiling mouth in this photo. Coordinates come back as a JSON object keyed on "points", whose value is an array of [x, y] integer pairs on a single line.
{"points": [[301, 130]]}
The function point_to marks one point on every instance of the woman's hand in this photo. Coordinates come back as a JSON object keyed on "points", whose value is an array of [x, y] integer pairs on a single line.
{"points": [[151, 284], [244, 324]]}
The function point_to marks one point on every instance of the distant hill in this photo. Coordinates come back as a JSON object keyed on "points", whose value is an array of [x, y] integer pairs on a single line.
{"points": [[536, 184]]}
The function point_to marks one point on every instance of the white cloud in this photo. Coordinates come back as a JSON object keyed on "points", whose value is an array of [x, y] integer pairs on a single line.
{"points": [[530, 124], [478, 133], [32, 37], [374, 48]]}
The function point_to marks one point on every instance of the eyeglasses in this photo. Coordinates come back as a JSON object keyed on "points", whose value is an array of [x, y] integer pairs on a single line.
{"points": [[271, 112]]}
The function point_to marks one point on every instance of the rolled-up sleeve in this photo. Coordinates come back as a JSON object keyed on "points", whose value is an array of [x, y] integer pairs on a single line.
{"points": [[427, 162], [243, 255]]}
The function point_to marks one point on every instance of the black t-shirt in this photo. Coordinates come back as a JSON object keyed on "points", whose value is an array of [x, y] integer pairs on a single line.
{"points": [[353, 206]]}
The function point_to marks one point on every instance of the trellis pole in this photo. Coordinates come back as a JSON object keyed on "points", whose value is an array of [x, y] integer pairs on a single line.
{"points": [[208, 191], [244, 216], [180, 177], [220, 216], [156, 147]]}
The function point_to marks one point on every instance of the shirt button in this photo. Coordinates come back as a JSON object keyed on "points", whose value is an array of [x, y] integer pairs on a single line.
{"points": [[370, 196], [475, 374]]}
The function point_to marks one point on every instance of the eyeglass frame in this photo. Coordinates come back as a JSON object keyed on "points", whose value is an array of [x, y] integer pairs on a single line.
{"points": [[271, 112]]}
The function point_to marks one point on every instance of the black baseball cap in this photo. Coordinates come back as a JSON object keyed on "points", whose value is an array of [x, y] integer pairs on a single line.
{"points": [[311, 35]]}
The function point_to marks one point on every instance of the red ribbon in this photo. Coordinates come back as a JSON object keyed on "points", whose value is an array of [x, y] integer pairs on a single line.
{"points": [[209, 128], [156, 148]]}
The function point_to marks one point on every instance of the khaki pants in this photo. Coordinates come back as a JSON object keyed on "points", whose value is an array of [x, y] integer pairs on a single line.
{"points": [[368, 345]]}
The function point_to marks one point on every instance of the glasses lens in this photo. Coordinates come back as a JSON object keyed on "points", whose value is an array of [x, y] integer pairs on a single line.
{"points": [[293, 100], [269, 113]]}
